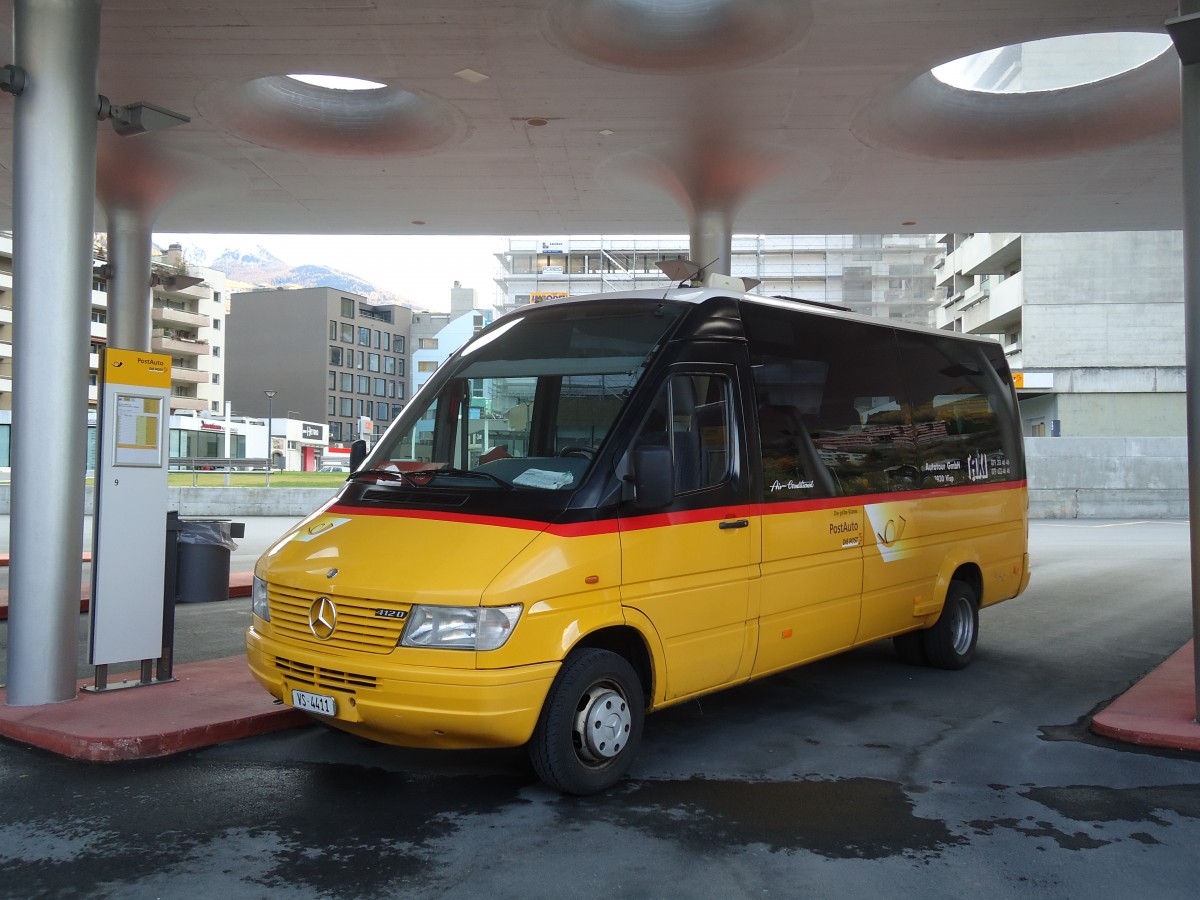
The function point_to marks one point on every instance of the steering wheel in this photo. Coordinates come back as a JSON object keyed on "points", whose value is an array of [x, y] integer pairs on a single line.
{"points": [[578, 450]]}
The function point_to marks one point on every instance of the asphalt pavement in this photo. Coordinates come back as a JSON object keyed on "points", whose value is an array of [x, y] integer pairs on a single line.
{"points": [[856, 776]]}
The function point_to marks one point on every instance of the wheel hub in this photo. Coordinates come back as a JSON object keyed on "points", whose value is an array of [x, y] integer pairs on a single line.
{"points": [[603, 724]]}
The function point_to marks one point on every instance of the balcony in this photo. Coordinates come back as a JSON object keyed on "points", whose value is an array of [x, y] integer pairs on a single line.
{"points": [[989, 254], [174, 316], [188, 403], [999, 311], [189, 376], [165, 342]]}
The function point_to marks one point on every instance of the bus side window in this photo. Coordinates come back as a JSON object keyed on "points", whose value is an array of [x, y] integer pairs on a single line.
{"points": [[694, 411]]}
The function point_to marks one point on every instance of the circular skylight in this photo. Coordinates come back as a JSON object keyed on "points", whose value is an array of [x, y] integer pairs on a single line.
{"points": [[339, 82], [1052, 64]]}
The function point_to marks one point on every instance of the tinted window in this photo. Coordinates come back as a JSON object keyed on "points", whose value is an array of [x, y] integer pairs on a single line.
{"points": [[832, 419], [961, 411]]}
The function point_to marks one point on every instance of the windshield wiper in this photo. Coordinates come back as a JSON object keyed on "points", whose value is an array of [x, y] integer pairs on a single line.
{"points": [[460, 473]]}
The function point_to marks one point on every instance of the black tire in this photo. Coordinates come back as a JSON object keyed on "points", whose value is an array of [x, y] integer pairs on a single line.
{"points": [[591, 723], [910, 648], [950, 643]]}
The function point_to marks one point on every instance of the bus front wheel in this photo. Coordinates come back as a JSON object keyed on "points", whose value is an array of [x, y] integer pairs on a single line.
{"points": [[950, 642], [591, 723]]}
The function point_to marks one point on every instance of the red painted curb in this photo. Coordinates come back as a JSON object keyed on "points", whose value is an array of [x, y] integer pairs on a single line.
{"points": [[209, 703], [1158, 711]]}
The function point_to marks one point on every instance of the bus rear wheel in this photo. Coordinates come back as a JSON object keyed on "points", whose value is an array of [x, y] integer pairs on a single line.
{"points": [[591, 723], [950, 642]]}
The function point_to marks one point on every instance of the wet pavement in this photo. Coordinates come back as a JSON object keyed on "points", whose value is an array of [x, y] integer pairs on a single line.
{"points": [[855, 776]]}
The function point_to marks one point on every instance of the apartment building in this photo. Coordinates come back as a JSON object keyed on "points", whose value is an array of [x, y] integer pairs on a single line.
{"points": [[326, 355], [187, 320], [1091, 323], [435, 335], [886, 275]]}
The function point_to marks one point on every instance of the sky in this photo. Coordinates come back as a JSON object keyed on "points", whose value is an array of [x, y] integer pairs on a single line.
{"points": [[421, 268]]}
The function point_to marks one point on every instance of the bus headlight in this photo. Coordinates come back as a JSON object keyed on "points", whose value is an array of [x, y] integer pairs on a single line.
{"points": [[258, 599], [460, 627]]}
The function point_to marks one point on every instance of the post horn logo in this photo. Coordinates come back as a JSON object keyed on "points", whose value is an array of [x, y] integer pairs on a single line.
{"points": [[322, 618]]}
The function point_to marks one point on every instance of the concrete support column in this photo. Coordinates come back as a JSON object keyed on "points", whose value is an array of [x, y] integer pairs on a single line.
{"points": [[129, 295], [711, 239], [56, 43], [1185, 32]]}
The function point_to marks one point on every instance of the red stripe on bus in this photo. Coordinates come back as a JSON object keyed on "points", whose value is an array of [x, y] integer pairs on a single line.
{"points": [[683, 517]]}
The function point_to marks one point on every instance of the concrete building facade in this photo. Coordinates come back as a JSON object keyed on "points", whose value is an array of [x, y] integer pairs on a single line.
{"points": [[1092, 324], [329, 356], [886, 275]]}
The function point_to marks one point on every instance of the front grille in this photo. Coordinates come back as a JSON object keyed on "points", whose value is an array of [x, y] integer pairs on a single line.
{"points": [[320, 677], [358, 628]]}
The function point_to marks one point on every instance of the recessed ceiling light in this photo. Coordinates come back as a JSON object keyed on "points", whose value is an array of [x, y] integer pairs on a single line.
{"points": [[471, 75], [607, 131], [338, 82], [909, 222], [417, 222], [537, 122]]}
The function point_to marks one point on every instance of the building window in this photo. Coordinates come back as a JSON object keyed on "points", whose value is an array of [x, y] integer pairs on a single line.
{"points": [[216, 378], [427, 343], [333, 329], [335, 356], [216, 406], [347, 407], [391, 389], [380, 387], [331, 405], [358, 405], [216, 351], [335, 431], [331, 382], [397, 343], [347, 333], [378, 339], [369, 409], [373, 361], [216, 324], [358, 359], [426, 365], [100, 286], [347, 308], [364, 337], [347, 382], [99, 316], [389, 365], [364, 384]]}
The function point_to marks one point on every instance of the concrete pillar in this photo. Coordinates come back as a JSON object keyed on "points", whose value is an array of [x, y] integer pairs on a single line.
{"points": [[129, 294], [711, 239], [1186, 35], [56, 43]]}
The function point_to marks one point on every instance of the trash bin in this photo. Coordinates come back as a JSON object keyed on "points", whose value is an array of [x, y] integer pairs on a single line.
{"points": [[203, 551]]}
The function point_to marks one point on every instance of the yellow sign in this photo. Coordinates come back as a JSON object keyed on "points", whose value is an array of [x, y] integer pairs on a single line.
{"points": [[138, 369], [1018, 380], [542, 296]]}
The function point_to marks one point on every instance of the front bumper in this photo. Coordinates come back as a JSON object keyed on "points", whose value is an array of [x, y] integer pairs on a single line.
{"points": [[411, 706]]}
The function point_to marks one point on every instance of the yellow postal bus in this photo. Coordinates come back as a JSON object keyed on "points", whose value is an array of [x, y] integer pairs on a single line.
{"points": [[603, 506]]}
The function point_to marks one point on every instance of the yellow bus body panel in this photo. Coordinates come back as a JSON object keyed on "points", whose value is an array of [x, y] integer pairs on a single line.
{"points": [[712, 606]]}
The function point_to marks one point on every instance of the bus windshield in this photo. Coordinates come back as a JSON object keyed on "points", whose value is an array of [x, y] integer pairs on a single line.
{"points": [[528, 403]]}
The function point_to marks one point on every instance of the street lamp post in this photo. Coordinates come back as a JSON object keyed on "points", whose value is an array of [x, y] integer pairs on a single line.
{"points": [[270, 436]]}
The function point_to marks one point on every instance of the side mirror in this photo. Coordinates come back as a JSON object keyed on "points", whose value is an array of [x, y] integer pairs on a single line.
{"points": [[358, 452], [653, 477]]}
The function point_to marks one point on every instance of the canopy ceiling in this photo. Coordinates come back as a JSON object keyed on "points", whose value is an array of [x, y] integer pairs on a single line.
{"points": [[623, 116]]}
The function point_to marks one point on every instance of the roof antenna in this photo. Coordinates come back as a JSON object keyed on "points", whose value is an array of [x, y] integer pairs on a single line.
{"points": [[688, 274]]}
